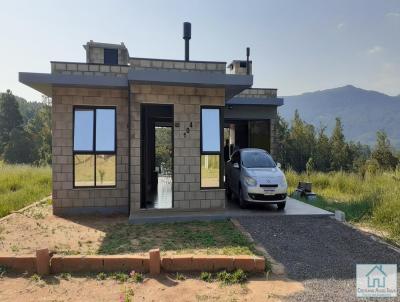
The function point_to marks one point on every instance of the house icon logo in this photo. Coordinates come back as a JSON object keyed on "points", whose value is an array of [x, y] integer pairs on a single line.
{"points": [[376, 277], [376, 280]]}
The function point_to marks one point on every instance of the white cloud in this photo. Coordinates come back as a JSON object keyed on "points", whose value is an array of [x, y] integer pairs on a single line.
{"points": [[340, 26], [375, 49], [387, 78], [393, 14]]}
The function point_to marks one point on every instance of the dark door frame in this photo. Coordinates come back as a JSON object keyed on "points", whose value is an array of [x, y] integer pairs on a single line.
{"points": [[143, 154]]}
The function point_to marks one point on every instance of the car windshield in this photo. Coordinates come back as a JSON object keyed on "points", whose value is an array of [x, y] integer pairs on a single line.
{"points": [[257, 159]]}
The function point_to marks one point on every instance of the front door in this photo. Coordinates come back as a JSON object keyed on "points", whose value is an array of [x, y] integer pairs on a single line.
{"points": [[157, 156]]}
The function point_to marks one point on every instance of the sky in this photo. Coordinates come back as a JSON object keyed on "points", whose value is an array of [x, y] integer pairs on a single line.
{"points": [[296, 46]]}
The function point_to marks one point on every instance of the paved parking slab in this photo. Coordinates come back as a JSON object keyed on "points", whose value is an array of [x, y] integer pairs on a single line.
{"points": [[293, 207]]}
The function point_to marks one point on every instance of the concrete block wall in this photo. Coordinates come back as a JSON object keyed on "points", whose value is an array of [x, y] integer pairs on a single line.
{"points": [[84, 69], [187, 102], [177, 65], [66, 199], [259, 93], [95, 53]]}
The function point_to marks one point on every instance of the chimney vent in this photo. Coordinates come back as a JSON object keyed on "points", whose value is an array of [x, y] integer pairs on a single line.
{"points": [[247, 60], [187, 34]]}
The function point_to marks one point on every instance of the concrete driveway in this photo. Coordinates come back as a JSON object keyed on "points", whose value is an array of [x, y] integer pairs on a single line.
{"points": [[293, 207]]}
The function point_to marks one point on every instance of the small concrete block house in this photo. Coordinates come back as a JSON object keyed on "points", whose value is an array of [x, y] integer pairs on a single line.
{"points": [[142, 135]]}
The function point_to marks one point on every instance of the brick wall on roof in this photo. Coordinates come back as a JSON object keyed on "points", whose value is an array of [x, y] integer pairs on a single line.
{"points": [[186, 101], [259, 93], [171, 65], [65, 197]]}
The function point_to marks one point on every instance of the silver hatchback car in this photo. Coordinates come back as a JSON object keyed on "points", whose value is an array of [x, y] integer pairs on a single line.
{"points": [[253, 177]]}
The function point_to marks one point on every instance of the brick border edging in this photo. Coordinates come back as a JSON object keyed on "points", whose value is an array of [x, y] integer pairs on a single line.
{"points": [[43, 263]]}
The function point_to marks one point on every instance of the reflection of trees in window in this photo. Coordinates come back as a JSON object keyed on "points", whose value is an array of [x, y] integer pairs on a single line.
{"points": [[163, 149], [211, 133]]}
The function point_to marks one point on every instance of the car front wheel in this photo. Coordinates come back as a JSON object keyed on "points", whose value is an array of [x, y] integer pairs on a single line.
{"points": [[281, 206], [228, 192], [242, 202]]}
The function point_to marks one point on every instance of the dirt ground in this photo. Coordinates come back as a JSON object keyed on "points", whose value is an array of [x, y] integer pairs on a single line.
{"points": [[163, 288], [35, 228]]}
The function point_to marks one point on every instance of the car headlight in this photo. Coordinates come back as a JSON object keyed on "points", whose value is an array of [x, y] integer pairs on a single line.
{"points": [[283, 181], [250, 181]]}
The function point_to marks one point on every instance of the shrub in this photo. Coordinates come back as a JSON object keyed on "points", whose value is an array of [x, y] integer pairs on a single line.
{"points": [[120, 277], [238, 276], [3, 271], [65, 276], [136, 277], [206, 276], [101, 276], [180, 277]]}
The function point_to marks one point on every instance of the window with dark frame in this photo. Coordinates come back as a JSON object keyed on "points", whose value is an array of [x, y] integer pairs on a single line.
{"points": [[94, 147], [110, 56], [211, 148]]}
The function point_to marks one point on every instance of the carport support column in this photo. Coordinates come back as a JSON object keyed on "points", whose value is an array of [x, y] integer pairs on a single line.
{"points": [[231, 135]]}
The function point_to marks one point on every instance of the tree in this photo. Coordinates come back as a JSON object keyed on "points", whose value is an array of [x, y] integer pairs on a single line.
{"points": [[10, 118], [39, 129], [301, 143], [310, 166], [322, 154], [383, 152], [339, 148], [18, 149], [282, 133]]}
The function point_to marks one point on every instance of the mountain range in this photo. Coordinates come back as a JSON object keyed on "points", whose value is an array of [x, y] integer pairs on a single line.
{"points": [[363, 112]]}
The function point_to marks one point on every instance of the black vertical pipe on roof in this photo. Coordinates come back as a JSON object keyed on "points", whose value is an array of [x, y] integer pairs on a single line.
{"points": [[187, 35], [247, 60]]}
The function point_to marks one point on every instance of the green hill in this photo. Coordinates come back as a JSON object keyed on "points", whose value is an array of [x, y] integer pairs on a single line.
{"points": [[363, 112]]}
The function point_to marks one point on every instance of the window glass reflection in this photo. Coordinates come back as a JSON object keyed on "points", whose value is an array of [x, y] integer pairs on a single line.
{"points": [[105, 129], [210, 122], [83, 130]]}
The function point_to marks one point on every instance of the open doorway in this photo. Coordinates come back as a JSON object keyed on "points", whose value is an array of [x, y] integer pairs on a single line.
{"points": [[157, 156]]}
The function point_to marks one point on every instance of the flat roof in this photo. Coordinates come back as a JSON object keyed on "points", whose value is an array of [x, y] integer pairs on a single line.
{"points": [[43, 82], [233, 84]]}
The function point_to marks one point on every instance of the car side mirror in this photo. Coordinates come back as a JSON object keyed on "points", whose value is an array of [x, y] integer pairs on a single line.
{"points": [[236, 165], [279, 165]]}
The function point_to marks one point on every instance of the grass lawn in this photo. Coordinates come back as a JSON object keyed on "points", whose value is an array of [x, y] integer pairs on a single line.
{"points": [[372, 201], [37, 227], [189, 237], [22, 185]]}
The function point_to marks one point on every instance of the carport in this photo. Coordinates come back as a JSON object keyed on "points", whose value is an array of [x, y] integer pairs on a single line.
{"points": [[249, 121]]}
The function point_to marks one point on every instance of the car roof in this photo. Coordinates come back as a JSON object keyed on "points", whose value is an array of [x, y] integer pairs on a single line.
{"points": [[252, 149]]}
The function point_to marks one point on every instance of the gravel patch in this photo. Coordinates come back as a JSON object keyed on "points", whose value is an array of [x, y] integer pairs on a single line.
{"points": [[319, 252]]}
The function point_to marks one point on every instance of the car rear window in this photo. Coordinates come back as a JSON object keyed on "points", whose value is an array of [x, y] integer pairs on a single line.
{"points": [[255, 159]]}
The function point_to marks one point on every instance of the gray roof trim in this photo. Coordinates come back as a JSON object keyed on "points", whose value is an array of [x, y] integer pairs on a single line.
{"points": [[233, 84], [241, 101], [181, 77], [43, 82]]}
